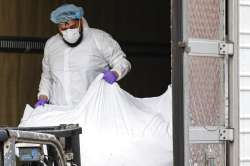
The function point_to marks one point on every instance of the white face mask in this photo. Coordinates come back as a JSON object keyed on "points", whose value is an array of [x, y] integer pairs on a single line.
{"points": [[71, 35]]}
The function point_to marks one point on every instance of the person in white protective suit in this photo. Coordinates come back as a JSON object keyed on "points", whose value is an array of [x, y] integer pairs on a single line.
{"points": [[75, 56]]}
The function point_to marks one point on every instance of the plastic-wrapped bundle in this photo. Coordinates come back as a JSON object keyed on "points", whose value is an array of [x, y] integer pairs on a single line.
{"points": [[118, 129]]}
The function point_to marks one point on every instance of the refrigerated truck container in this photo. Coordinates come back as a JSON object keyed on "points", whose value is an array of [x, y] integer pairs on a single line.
{"points": [[205, 81]]}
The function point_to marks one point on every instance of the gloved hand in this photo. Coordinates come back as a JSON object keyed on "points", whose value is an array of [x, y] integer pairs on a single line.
{"points": [[41, 102], [110, 76]]}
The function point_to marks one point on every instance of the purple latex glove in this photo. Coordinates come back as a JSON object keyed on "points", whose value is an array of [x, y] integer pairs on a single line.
{"points": [[109, 76], [41, 102]]}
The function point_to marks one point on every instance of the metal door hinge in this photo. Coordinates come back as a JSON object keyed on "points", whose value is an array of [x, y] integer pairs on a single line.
{"points": [[226, 134], [226, 48], [210, 134], [184, 45]]}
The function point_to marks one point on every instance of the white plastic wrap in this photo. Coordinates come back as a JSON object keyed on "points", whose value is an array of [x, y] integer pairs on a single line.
{"points": [[118, 129]]}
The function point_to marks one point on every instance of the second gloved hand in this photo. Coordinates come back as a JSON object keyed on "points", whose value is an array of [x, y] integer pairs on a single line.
{"points": [[41, 102], [109, 76]]}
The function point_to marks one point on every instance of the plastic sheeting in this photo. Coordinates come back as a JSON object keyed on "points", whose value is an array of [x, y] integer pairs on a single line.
{"points": [[118, 129]]}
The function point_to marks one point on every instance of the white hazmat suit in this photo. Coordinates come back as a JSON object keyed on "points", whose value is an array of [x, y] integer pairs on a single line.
{"points": [[68, 71]]}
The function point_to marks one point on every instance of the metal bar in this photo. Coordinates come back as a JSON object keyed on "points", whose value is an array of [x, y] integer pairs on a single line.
{"points": [[209, 134], [233, 30], [9, 152], [185, 22], [205, 55], [226, 90], [209, 48], [223, 20], [177, 83], [202, 46]]}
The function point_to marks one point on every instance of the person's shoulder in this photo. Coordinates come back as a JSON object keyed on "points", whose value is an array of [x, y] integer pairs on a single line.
{"points": [[53, 39], [99, 33]]}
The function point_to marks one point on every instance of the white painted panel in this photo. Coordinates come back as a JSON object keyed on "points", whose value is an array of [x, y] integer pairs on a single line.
{"points": [[244, 125], [245, 2], [245, 82], [244, 140], [245, 60], [245, 38], [245, 163], [244, 102], [244, 145], [244, 18]]}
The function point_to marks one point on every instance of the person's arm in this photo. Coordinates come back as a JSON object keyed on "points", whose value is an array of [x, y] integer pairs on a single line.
{"points": [[113, 54], [45, 82]]}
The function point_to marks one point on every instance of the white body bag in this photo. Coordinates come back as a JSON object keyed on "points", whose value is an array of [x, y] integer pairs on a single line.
{"points": [[118, 129]]}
